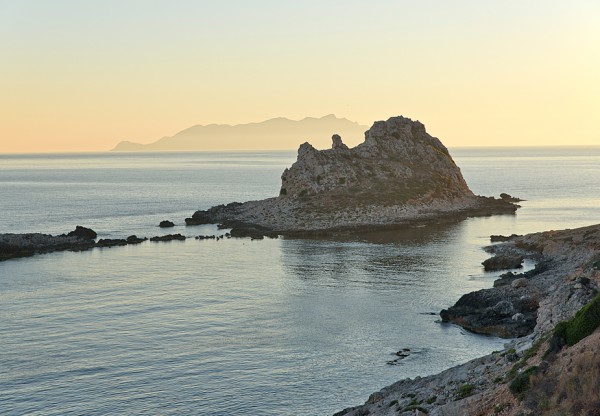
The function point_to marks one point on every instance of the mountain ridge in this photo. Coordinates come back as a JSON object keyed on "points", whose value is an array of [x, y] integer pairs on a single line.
{"points": [[279, 133]]}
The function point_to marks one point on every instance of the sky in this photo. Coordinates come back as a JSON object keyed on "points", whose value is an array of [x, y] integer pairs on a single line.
{"points": [[82, 76]]}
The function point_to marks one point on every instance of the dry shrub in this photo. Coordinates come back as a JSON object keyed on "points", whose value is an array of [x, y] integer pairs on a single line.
{"points": [[569, 384], [578, 390]]}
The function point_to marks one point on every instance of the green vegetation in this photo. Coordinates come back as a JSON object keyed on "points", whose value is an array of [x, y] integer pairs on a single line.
{"points": [[585, 321], [510, 351], [514, 371], [465, 390], [521, 382], [431, 400]]}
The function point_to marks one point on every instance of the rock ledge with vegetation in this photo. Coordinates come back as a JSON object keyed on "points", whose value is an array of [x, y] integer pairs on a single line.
{"points": [[551, 370], [398, 175]]}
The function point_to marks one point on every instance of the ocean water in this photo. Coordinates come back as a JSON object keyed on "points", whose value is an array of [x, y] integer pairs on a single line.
{"points": [[271, 327]]}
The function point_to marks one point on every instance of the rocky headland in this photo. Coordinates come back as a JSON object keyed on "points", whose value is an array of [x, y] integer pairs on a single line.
{"points": [[399, 175], [551, 369]]}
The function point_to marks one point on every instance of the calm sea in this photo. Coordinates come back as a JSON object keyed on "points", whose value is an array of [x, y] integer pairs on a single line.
{"points": [[272, 327]]}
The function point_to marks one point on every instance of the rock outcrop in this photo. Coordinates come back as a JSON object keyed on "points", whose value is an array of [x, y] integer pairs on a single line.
{"points": [[80, 239], [399, 174], [168, 237], [503, 262], [24, 245], [505, 311]]}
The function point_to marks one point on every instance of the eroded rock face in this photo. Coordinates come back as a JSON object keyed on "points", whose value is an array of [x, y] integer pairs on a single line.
{"points": [[399, 162]]}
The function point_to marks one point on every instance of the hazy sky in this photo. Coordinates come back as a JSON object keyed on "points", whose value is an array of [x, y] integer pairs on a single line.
{"points": [[83, 75]]}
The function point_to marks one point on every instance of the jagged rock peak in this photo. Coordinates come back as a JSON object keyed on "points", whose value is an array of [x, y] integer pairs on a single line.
{"points": [[337, 142], [398, 163]]}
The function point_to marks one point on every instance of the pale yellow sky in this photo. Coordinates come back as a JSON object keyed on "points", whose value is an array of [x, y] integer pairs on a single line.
{"points": [[82, 76]]}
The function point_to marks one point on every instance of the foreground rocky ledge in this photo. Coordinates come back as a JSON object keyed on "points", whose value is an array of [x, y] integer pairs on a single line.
{"points": [[399, 175], [536, 374]]}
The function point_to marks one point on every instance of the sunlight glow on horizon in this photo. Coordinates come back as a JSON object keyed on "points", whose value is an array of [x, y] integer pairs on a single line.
{"points": [[83, 77]]}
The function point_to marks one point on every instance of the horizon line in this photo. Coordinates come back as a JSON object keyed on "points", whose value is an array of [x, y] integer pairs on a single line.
{"points": [[64, 152]]}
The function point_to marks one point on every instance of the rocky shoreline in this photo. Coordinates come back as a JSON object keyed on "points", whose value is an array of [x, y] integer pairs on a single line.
{"points": [[81, 239], [530, 375]]}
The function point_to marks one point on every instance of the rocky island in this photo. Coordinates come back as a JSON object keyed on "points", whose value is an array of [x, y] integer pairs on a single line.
{"points": [[400, 174], [552, 369]]}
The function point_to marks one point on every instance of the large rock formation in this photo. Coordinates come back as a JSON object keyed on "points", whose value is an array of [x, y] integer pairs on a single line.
{"points": [[399, 174], [398, 162]]}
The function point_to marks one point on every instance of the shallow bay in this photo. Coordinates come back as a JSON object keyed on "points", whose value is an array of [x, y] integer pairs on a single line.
{"points": [[237, 326]]}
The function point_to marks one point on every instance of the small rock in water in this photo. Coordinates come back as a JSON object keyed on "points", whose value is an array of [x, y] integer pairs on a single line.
{"points": [[168, 237], [134, 239], [166, 224], [401, 354], [110, 242], [206, 237], [83, 233]]}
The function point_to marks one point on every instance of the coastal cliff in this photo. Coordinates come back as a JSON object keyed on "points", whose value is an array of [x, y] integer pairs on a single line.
{"points": [[399, 174], [550, 370]]}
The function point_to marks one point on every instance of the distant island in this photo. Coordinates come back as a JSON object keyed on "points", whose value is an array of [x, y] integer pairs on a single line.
{"points": [[277, 134], [400, 174]]}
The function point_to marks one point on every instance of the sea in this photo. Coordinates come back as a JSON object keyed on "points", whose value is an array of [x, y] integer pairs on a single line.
{"points": [[238, 326]]}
